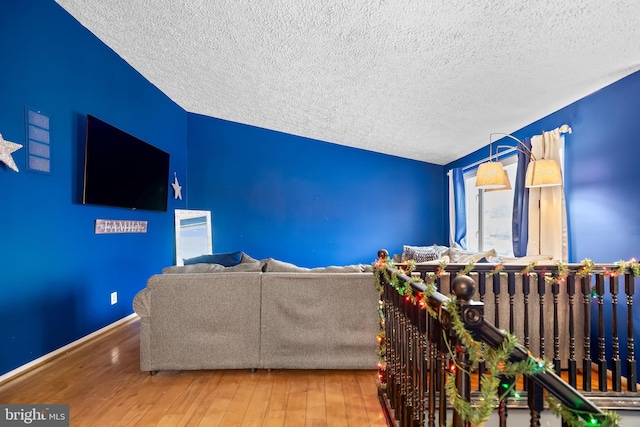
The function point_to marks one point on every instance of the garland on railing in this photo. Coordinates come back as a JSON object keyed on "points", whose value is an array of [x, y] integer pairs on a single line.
{"points": [[496, 360], [632, 265], [581, 419]]}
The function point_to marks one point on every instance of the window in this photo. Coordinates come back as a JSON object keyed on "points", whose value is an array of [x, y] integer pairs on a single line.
{"points": [[489, 213]]}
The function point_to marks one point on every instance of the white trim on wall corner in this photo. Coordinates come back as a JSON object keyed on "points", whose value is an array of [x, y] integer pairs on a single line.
{"points": [[34, 363]]}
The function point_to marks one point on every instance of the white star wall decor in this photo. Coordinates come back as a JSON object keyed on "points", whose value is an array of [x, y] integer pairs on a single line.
{"points": [[6, 148], [177, 189]]}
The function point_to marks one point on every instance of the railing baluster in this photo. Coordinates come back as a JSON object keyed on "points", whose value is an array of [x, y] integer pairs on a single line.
{"points": [[535, 400], [629, 289], [526, 290], [482, 286], [412, 384], [616, 364], [503, 409], [511, 288], [417, 362], [511, 285], [555, 290], [541, 292], [442, 377], [406, 351], [602, 359], [586, 359], [572, 367], [502, 413], [423, 344], [482, 290], [435, 335], [392, 342], [397, 372], [388, 340], [496, 299]]}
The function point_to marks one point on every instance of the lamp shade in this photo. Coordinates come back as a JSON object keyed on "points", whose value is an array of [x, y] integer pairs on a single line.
{"points": [[507, 185], [491, 175], [543, 173]]}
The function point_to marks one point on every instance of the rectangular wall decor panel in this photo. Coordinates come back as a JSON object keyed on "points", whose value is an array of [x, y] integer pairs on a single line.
{"points": [[38, 143], [114, 226]]}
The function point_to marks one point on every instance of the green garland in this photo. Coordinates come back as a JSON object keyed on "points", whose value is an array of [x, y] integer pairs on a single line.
{"points": [[498, 366], [496, 360], [580, 419]]}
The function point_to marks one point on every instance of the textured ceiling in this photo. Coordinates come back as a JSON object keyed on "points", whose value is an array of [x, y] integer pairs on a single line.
{"points": [[426, 80]]}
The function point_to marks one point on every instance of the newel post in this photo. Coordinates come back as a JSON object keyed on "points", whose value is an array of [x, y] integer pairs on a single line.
{"points": [[471, 314]]}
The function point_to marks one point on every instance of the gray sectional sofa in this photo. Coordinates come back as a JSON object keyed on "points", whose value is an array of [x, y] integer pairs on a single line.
{"points": [[258, 314]]}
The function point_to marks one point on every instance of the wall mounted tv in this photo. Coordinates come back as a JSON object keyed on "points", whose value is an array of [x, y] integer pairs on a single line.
{"points": [[123, 171]]}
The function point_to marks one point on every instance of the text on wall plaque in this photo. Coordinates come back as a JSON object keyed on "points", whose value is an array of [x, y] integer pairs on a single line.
{"points": [[112, 226]]}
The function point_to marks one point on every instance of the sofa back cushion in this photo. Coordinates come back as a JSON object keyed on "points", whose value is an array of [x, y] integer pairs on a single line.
{"points": [[243, 267], [275, 266], [226, 259], [193, 268]]}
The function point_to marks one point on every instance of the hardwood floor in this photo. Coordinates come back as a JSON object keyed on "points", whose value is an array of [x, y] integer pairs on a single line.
{"points": [[102, 382]]}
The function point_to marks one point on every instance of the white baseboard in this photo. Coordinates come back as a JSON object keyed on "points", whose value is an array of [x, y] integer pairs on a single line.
{"points": [[26, 367]]}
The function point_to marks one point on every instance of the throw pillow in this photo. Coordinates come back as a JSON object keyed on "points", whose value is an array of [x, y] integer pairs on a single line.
{"points": [[423, 253], [443, 258], [227, 259]]}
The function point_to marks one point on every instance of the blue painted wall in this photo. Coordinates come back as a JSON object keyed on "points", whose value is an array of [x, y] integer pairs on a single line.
{"points": [[56, 275], [305, 201]]}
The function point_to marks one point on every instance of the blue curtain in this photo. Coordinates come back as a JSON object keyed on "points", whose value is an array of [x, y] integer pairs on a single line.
{"points": [[460, 235], [520, 230]]}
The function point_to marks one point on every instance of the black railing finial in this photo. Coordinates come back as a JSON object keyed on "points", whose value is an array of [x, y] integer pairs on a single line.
{"points": [[463, 287]]}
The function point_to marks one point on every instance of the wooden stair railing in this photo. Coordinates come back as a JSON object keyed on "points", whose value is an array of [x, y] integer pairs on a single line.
{"points": [[579, 324], [417, 354]]}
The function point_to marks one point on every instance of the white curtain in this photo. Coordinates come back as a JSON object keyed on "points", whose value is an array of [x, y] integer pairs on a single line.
{"points": [[547, 210]]}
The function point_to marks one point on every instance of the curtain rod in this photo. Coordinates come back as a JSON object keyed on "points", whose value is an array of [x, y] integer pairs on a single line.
{"points": [[563, 129], [486, 159]]}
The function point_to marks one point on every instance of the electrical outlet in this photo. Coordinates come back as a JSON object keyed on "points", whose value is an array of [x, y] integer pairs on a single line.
{"points": [[114, 297]]}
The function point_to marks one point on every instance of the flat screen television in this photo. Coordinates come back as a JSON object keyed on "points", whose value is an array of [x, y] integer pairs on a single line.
{"points": [[123, 171]]}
